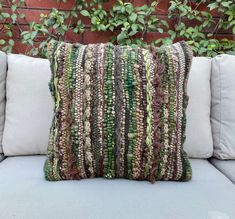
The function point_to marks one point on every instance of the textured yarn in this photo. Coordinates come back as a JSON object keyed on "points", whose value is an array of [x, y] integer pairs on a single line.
{"points": [[119, 112]]}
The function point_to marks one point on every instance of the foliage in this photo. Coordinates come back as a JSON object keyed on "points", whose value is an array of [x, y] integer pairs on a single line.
{"points": [[199, 22], [8, 21], [127, 18], [201, 29]]}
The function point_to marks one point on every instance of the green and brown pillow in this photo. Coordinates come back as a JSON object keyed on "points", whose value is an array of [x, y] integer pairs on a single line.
{"points": [[119, 112]]}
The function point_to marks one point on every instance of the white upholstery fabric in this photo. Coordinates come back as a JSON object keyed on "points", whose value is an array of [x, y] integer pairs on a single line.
{"points": [[3, 67], [223, 106], [227, 167], [198, 142], [29, 106], [25, 194]]}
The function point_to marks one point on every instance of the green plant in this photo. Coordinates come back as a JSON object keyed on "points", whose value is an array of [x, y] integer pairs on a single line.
{"points": [[127, 21], [202, 31], [55, 25], [9, 20], [191, 20]]}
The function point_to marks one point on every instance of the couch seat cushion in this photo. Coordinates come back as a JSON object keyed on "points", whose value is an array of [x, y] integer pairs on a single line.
{"points": [[227, 167], [26, 194]]}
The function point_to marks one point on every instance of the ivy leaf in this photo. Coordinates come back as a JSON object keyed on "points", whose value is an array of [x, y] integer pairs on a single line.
{"points": [[34, 34], [182, 32], [9, 33], [132, 33], [5, 15], [202, 50], [26, 36], [141, 27], [141, 19], [21, 15], [133, 17], [128, 42], [111, 28], [172, 34], [94, 20], [126, 25], [154, 4], [172, 6], [213, 6], [74, 14], [13, 17], [13, 7], [11, 42], [134, 27], [102, 27], [2, 42], [121, 36], [75, 30], [160, 30], [164, 23], [44, 30], [129, 9], [85, 13], [225, 4]]}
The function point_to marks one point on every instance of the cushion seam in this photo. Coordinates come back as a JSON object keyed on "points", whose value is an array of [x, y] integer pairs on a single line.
{"points": [[220, 85]]}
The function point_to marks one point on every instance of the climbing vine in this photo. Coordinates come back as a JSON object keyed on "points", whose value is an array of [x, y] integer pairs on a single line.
{"points": [[199, 22]]}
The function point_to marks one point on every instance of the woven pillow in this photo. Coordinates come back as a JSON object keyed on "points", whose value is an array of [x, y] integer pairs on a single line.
{"points": [[119, 112]]}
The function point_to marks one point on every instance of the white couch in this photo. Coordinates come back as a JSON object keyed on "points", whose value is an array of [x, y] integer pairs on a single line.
{"points": [[26, 110]]}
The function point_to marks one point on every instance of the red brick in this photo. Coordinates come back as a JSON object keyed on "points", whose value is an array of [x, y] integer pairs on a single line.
{"points": [[21, 48], [49, 4], [97, 37], [162, 7], [32, 15], [152, 36], [70, 36], [223, 36]]}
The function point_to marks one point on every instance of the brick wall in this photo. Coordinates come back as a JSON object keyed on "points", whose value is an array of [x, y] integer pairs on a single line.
{"points": [[34, 8]]}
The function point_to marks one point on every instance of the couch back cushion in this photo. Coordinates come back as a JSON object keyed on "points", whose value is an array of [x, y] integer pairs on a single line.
{"points": [[29, 106], [223, 106], [3, 69], [199, 142]]}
